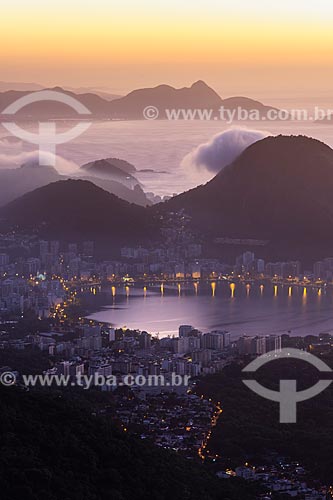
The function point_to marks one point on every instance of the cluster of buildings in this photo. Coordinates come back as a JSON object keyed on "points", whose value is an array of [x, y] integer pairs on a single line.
{"points": [[248, 264], [282, 478], [323, 270], [18, 294], [78, 261], [258, 345], [171, 417], [91, 348], [178, 256], [42, 277], [192, 266], [173, 421]]}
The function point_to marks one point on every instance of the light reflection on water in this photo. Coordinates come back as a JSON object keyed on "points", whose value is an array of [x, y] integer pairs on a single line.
{"points": [[239, 308]]}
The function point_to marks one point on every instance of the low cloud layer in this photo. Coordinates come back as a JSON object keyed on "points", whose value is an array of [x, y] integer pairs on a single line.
{"points": [[222, 149], [64, 167]]}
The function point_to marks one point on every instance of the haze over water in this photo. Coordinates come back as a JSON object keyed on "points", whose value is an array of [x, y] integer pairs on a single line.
{"points": [[161, 146]]}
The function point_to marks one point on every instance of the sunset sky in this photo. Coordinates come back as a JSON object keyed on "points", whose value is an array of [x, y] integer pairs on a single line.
{"points": [[254, 47]]}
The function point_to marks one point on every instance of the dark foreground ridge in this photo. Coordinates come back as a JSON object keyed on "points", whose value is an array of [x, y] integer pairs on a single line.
{"points": [[55, 449], [78, 209]]}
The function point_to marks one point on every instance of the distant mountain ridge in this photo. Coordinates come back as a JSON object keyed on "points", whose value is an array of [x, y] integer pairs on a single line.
{"points": [[199, 95], [15, 182], [51, 109], [32, 86], [131, 107], [165, 97], [5, 86]]}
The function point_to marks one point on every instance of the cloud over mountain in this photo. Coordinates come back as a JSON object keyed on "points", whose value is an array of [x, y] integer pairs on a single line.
{"points": [[223, 149]]}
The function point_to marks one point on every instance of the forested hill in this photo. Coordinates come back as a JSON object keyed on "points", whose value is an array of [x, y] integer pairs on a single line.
{"points": [[53, 448]]}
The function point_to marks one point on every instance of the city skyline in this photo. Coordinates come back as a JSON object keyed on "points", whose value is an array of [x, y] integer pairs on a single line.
{"points": [[166, 250]]}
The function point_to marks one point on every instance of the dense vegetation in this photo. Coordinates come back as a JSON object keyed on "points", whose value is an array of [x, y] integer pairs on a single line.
{"points": [[249, 426], [53, 447]]}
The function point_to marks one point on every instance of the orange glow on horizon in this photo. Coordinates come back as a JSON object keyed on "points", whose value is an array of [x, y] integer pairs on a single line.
{"points": [[91, 41]]}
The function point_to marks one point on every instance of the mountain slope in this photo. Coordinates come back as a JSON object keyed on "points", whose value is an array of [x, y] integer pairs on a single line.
{"points": [[4, 86], [78, 209], [108, 169], [15, 182], [135, 195], [116, 176], [279, 189], [54, 447], [164, 97], [245, 103], [50, 109], [199, 95], [123, 165]]}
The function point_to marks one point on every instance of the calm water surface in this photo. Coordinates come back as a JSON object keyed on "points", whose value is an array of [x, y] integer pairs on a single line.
{"points": [[241, 309]]}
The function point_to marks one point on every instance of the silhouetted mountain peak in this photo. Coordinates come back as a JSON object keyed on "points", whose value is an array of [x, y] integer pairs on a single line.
{"points": [[111, 163], [200, 84], [78, 209], [198, 95], [278, 190], [59, 89], [287, 154]]}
